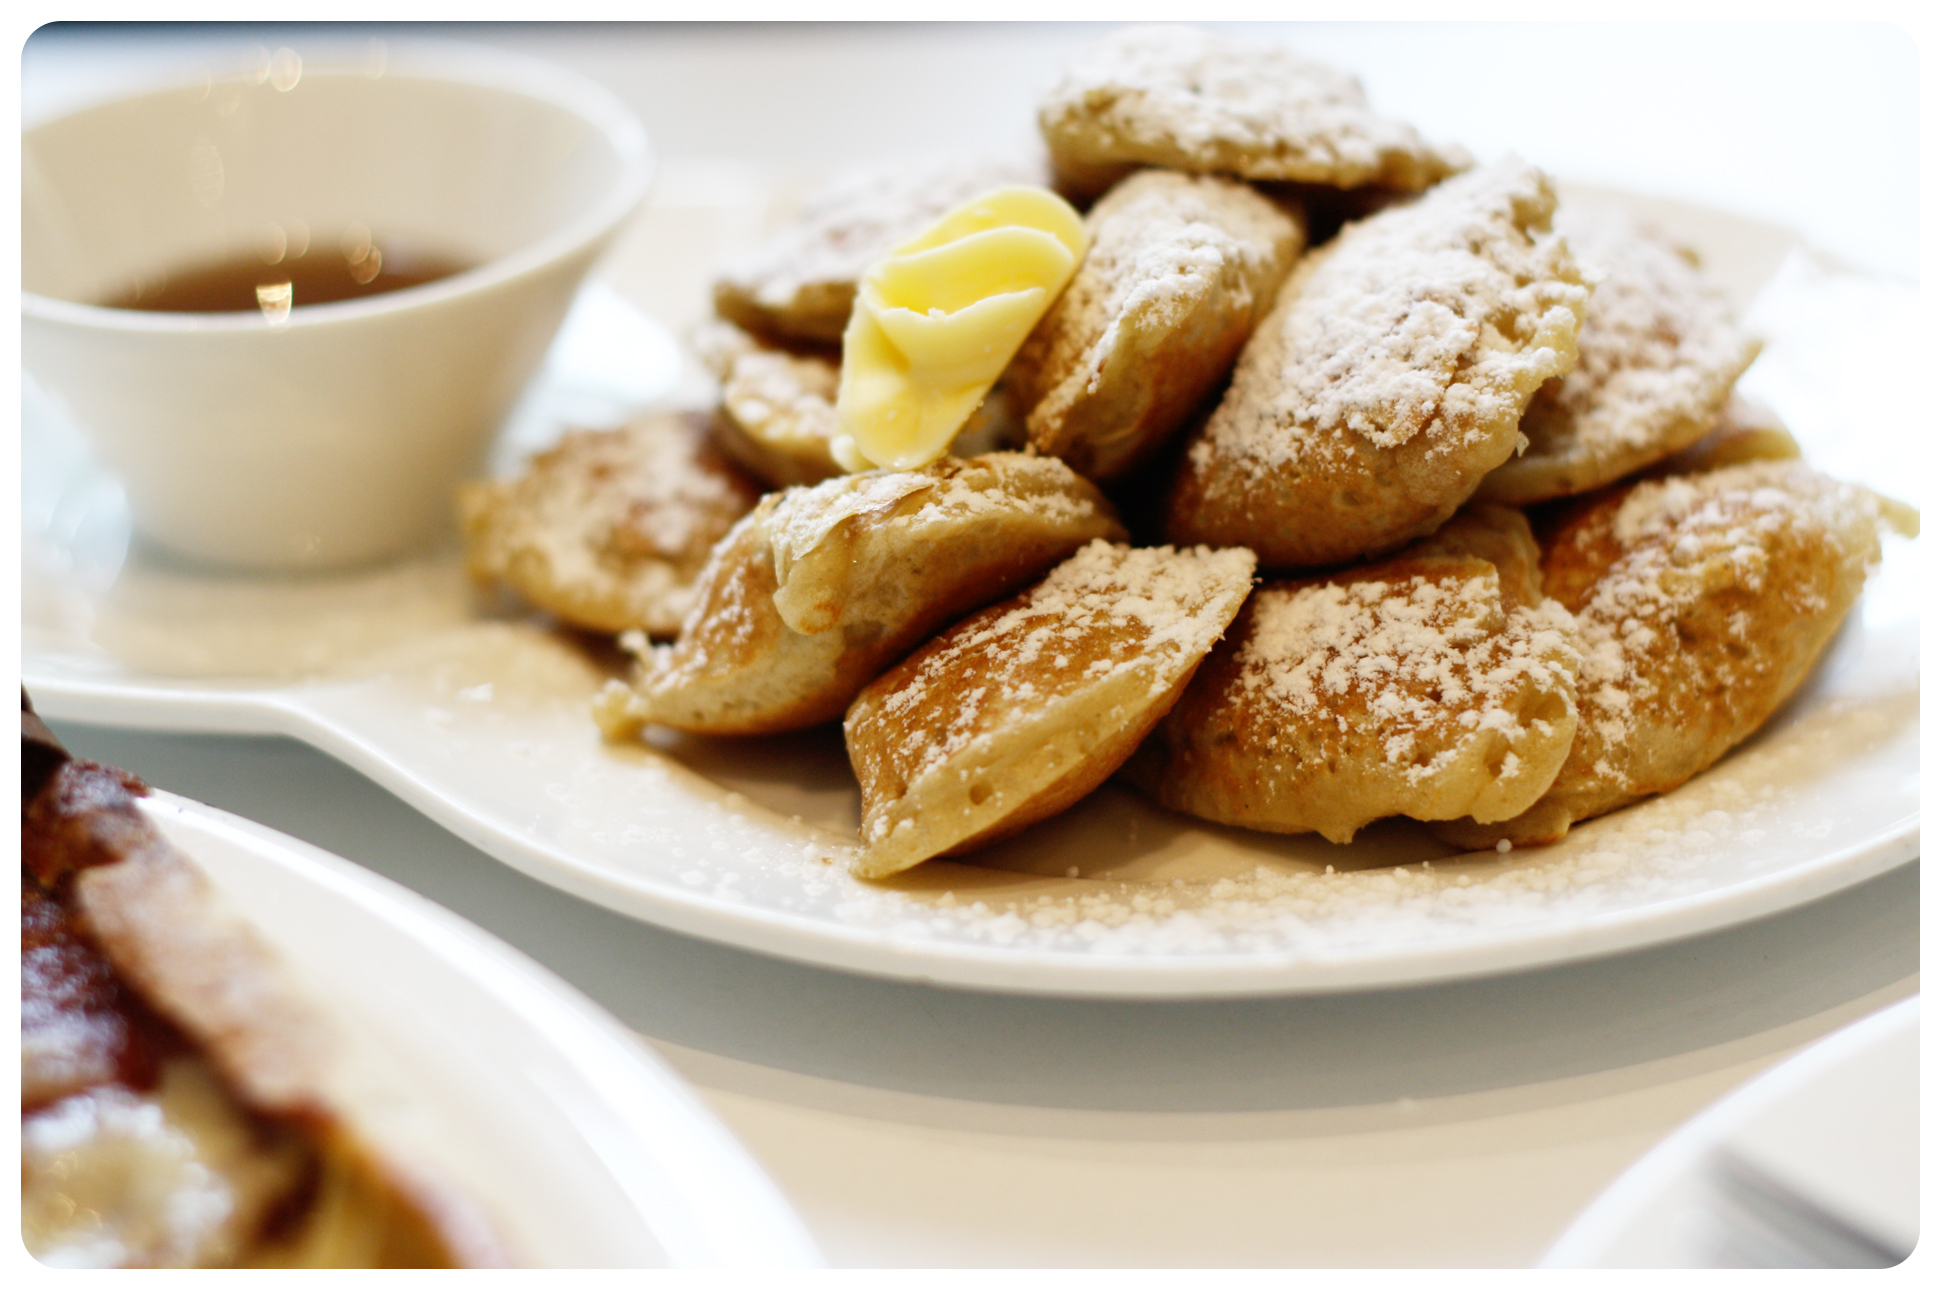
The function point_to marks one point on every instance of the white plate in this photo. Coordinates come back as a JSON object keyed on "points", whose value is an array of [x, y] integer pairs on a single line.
{"points": [[1833, 1131], [478, 717], [584, 1148]]}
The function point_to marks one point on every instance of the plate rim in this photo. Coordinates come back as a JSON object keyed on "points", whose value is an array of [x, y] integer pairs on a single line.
{"points": [[1588, 1240], [1153, 977]]}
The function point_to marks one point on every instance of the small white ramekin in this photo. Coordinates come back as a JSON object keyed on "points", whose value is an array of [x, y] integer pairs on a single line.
{"points": [[336, 436]]}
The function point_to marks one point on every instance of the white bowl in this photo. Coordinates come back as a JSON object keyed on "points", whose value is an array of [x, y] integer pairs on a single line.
{"points": [[336, 435]]}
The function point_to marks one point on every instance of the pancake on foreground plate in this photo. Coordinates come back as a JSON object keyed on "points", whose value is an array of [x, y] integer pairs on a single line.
{"points": [[609, 530], [822, 587], [1389, 379], [1178, 272], [1702, 602], [1435, 679], [172, 1112], [1019, 711]]}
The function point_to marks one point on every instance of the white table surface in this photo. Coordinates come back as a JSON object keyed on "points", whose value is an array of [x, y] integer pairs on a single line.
{"points": [[1454, 1125]]}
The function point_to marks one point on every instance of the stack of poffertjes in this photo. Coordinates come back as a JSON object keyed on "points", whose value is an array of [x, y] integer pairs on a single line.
{"points": [[1345, 479]]}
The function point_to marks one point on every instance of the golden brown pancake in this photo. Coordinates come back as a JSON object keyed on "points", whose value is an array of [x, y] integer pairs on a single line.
{"points": [[608, 530], [1188, 100], [1022, 709], [1433, 679], [779, 408], [1389, 379], [779, 405], [1658, 356], [1178, 272], [1744, 432], [1702, 603], [824, 586]]}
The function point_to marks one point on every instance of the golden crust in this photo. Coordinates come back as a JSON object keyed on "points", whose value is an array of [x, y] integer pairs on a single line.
{"points": [[1178, 272], [823, 586], [1403, 687], [779, 409], [1745, 431], [1389, 378], [1702, 603], [779, 406], [1658, 356], [1022, 709], [1181, 98], [608, 530]]}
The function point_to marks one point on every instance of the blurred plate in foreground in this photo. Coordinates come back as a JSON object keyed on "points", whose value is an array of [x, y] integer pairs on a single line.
{"points": [[585, 1149], [1813, 1165]]}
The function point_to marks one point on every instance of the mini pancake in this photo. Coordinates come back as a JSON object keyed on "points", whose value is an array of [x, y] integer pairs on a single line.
{"points": [[608, 530], [822, 587], [1744, 432], [1389, 379], [1178, 272], [1182, 98], [799, 283], [779, 408], [1658, 356], [1022, 709], [1434, 679], [779, 405], [1702, 603]]}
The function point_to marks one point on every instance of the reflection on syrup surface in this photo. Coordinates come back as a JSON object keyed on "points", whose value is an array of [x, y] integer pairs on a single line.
{"points": [[288, 270]]}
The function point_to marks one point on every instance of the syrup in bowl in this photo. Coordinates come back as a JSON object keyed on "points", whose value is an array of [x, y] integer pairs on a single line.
{"points": [[289, 271]]}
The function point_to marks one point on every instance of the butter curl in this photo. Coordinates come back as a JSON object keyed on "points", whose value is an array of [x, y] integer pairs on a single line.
{"points": [[939, 318]]}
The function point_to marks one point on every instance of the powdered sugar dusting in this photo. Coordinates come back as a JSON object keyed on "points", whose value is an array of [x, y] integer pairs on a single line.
{"points": [[1436, 319], [803, 516], [1660, 345], [805, 275], [1278, 899], [1161, 245], [1659, 353], [1416, 655], [776, 396], [1166, 250], [1185, 98], [1683, 538], [1108, 611], [609, 529]]}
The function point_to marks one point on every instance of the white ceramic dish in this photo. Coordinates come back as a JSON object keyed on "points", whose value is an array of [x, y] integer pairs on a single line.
{"points": [[586, 1150], [1834, 1128], [478, 716], [325, 434]]}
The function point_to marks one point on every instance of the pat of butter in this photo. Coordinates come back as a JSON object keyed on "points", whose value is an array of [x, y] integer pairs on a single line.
{"points": [[939, 318]]}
